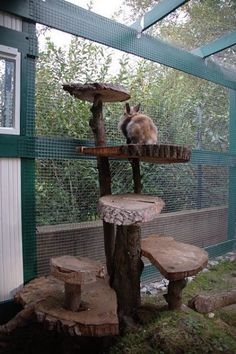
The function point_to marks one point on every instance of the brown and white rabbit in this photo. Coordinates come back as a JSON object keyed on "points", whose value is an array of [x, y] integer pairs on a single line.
{"points": [[136, 127]]}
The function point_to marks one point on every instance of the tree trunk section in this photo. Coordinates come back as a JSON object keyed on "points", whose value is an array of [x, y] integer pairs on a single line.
{"points": [[206, 304], [127, 268], [97, 125], [72, 296], [174, 294], [136, 175]]}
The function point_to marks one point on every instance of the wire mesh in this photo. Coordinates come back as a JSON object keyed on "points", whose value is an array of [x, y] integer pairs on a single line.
{"points": [[186, 110]]}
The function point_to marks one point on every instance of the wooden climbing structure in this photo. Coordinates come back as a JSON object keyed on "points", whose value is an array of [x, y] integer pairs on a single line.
{"points": [[79, 298]]}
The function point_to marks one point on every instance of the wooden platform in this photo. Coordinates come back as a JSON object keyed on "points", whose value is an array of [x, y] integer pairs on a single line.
{"points": [[106, 92], [46, 294], [158, 153], [175, 260], [127, 209]]}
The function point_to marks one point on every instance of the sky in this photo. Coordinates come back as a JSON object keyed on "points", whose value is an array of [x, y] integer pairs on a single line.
{"points": [[101, 7]]}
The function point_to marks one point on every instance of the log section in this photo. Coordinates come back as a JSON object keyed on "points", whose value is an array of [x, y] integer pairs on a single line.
{"points": [[127, 209], [75, 272], [46, 296]]}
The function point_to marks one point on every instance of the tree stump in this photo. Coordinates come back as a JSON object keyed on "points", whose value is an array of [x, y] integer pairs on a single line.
{"points": [[74, 272]]}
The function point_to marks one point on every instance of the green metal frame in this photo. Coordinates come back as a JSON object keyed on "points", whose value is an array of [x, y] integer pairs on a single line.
{"points": [[232, 169], [14, 146], [157, 13], [216, 46], [70, 18], [73, 19]]}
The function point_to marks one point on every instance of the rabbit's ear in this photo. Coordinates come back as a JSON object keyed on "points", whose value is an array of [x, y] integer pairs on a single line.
{"points": [[127, 108], [137, 108]]}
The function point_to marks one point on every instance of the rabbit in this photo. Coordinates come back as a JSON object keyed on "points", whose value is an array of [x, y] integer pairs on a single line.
{"points": [[136, 127]]}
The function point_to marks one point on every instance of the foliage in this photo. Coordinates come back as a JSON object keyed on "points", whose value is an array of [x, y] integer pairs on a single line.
{"points": [[186, 110]]}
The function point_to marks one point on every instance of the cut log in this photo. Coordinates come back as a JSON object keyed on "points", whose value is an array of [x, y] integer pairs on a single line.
{"points": [[175, 260], [74, 272], [46, 296], [158, 153], [127, 209], [210, 303], [87, 92]]}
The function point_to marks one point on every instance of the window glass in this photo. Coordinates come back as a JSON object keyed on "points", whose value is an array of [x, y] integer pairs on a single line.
{"points": [[7, 93]]}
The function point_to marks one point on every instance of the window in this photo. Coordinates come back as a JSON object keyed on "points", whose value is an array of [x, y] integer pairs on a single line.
{"points": [[9, 90]]}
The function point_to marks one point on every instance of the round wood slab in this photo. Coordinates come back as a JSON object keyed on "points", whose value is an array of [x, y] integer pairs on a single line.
{"points": [[75, 270], [158, 153], [175, 260], [127, 209], [107, 92], [46, 294]]}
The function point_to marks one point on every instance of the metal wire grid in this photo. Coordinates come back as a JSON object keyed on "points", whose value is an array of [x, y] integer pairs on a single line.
{"points": [[68, 202], [67, 191]]}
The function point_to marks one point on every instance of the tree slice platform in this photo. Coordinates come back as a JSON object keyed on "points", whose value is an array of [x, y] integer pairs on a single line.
{"points": [[75, 272], [107, 92], [127, 209], [158, 153], [46, 296], [175, 260]]}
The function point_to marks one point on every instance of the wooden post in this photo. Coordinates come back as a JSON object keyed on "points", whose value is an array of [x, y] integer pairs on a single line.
{"points": [[136, 175], [72, 296], [174, 295], [127, 269], [97, 125]]}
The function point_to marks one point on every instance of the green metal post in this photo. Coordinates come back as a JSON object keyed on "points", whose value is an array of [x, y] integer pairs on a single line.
{"points": [[232, 169]]}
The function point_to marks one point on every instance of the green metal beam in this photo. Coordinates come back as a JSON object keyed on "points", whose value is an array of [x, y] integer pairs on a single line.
{"points": [[232, 169], [64, 148], [73, 19], [157, 13], [216, 46]]}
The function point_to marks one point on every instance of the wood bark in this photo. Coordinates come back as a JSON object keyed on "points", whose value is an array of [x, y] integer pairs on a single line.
{"points": [[158, 153], [136, 175], [127, 269], [209, 303], [97, 125], [174, 294], [21, 319]]}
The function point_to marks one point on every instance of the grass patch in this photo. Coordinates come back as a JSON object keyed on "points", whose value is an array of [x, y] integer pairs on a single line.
{"points": [[176, 332]]}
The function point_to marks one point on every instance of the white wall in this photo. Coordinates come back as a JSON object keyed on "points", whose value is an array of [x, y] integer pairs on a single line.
{"points": [[11, 258]]}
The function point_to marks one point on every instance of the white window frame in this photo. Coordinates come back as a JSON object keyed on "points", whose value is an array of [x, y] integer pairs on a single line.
{"points": [[13, 54]]}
